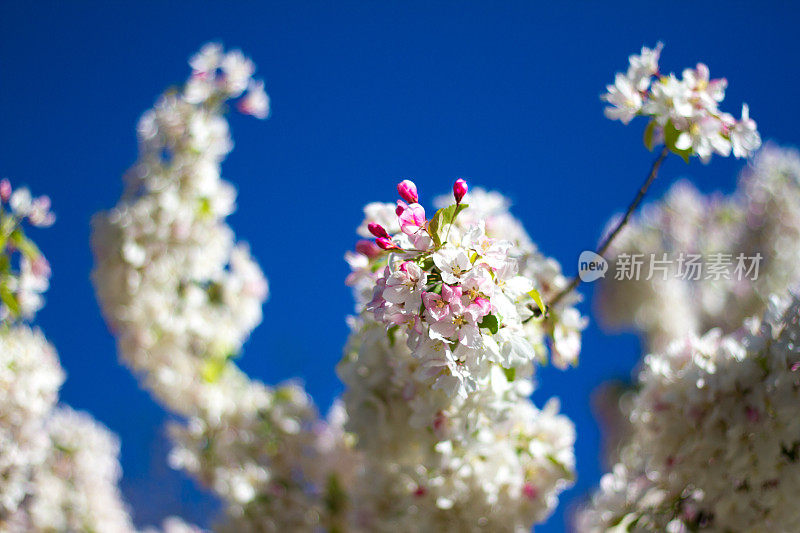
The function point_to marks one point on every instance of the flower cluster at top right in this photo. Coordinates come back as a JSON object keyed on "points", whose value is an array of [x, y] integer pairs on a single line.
{"points": [[683, 113]]}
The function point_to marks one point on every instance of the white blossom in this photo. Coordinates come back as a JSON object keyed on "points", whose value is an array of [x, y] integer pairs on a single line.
{"points": [[715, 436], [683, 112], [436, 397], [183, 296]]}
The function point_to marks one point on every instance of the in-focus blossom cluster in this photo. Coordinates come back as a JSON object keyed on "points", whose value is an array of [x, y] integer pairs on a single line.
{"points": [[761, 217], [439, 366], [683, 112], [24, 271], [182, 296], [458, 296], [715, 437]]}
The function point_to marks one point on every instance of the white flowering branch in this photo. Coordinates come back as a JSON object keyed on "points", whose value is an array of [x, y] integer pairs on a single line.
{"points": [[59, 469], [683, 114]]}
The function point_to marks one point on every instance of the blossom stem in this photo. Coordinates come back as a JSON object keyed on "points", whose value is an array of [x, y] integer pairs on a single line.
{"points": [[621, 224]]}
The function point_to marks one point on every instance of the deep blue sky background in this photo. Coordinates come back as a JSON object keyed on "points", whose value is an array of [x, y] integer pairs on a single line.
{"points": [[503, 94]]}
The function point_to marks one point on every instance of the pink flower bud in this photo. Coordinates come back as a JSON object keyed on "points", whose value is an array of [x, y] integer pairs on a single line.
{"points": [[386, 244], [460, 189], [377, 230], [367, 248], [401, 206], [529, 491], [408, 191], [5, 190]]}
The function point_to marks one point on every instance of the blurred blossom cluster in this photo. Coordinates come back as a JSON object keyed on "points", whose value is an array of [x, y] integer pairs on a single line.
{"points": [[220, 76], [58, 467], [709, 438], [24, 271], [182, 296], [761, 216], [714, 442], [450, 321], [683, 112]]}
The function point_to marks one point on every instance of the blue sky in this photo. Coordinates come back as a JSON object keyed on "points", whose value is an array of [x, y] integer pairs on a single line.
{"points": [[363, 94]]}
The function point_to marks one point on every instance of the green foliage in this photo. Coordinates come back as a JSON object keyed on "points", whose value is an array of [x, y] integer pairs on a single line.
{"points": [[671, 134], [491, 323], [443, 217]]}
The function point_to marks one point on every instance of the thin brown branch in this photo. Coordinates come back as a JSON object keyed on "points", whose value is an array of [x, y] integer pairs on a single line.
{"points": [[621, 224]]}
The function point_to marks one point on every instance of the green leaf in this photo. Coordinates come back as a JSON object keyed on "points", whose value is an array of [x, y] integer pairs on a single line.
{"points": [[213, 369], [391, 333], [648, 135], [533, 293], [510, 373], [671, 134], [442, 218], [565, 472], [335, 496], [490, 322], [10, 300], [216, 361], [425, 262], [204, 207]]}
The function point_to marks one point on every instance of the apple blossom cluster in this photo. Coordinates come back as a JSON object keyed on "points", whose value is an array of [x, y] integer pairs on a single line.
{"points": [[762, 217], [58, 467], [181, 296], [458, 295], [30, 377], [24, 271], [221, 76], [715, 440], [494, 462], [683, 112], [439, 368]]}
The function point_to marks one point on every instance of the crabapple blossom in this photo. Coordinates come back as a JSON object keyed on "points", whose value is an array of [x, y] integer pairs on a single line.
{"points": [[255, 101], [25, 273], [437, 386], [714, 439], [182, 296], [30, 377], [744, 136], [683, 112], [59, 469], [499, 301]]}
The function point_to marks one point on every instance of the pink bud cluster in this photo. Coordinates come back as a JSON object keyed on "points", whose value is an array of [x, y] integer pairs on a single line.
{"points": [[411, 216]]}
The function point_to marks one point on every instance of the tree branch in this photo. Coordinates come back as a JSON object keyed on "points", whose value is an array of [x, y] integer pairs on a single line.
{"points": [[621, 224]]}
